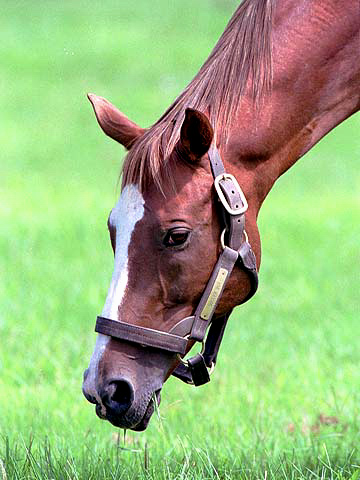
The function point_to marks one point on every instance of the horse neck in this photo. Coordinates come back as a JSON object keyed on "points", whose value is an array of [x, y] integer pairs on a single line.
{"points": [[316, 78]]}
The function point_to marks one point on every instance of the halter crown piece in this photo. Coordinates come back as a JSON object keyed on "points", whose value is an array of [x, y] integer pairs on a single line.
{"points": [[235, 250]]}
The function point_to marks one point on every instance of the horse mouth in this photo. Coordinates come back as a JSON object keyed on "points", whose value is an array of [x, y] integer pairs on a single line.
{"points": [[128, 424], [154, 402]]}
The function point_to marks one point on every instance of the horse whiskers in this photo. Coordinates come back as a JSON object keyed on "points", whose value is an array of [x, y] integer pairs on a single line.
{"points": [[156, 407]]}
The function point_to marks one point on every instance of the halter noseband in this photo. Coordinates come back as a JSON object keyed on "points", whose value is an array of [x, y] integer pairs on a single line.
{"points": [[235, 249]]}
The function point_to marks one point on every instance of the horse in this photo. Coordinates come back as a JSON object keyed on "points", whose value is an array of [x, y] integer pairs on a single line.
{"points": [[184, 231]]}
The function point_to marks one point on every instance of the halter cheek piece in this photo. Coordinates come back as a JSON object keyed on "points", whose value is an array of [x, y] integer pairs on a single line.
{"points": [[235, 250]]}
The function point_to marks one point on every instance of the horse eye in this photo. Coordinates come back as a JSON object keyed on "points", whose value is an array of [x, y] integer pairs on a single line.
{"points": [[176, 237]]}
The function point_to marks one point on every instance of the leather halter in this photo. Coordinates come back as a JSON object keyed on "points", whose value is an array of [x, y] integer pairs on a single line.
{"points": [[235, 250]]}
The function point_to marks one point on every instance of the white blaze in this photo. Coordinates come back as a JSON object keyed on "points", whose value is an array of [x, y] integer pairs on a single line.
{"points": [[124, 216]]}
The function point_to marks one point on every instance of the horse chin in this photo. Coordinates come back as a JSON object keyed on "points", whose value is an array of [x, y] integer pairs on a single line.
{"points": [[142, 425], [127, 422]]}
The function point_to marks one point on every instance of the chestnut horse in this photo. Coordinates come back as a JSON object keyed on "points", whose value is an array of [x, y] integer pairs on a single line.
{"points": [[282, 75]]}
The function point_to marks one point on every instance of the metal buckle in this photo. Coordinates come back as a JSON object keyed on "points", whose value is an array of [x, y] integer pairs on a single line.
{"points": [[225, 203]]}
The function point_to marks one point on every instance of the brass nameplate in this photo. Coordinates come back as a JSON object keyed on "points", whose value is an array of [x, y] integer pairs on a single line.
{"points": [[214, 294]]}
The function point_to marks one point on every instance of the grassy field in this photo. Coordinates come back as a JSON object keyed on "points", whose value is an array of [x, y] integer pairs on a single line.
{"points": [[284, 402]]}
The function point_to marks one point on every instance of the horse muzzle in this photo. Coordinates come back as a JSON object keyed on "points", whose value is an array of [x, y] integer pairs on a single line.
{"points": [[121, 404]]}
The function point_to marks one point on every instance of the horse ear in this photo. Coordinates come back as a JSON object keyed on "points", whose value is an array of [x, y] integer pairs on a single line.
{"points": [[114, 123], [196, 134]]}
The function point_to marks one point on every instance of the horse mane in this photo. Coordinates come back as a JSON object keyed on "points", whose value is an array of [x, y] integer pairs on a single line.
{"points": [[240, 60]]}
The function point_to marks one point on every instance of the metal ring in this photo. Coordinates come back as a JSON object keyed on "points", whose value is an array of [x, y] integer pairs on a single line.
{"points": [[185, 362], [222, 238]]}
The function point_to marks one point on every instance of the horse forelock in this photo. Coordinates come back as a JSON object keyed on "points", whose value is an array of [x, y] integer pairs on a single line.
{"points": [[240, 62]]}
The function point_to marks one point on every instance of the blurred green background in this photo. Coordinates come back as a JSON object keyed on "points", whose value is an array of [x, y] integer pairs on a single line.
{"points": [[290, 359]]}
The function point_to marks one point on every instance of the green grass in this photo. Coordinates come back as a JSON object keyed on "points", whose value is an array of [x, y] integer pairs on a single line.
{"points": [[289, 356]]}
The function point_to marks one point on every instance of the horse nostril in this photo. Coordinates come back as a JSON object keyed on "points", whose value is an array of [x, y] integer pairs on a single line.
{"points": [[118, 396]]}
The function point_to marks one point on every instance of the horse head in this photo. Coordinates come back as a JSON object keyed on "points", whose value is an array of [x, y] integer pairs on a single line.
{"points": [[166, 242]]}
